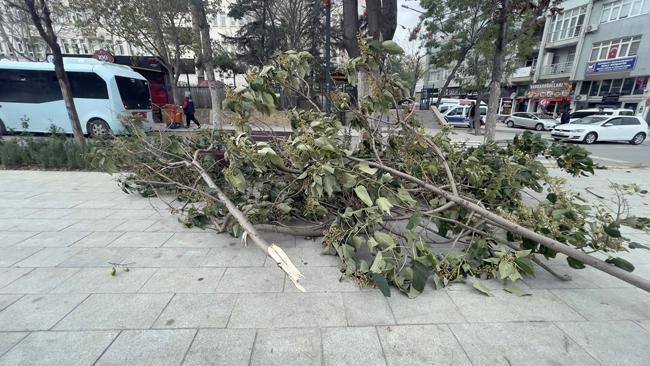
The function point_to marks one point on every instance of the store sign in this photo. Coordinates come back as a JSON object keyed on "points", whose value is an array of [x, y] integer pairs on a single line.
{"points": [[103, 55], [613, 65], [558, 89]]}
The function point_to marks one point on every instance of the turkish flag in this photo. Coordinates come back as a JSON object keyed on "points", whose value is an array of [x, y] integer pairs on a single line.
{"points": [[613, 52]]}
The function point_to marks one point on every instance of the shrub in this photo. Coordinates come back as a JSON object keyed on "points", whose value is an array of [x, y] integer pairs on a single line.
{"points": [[54, 152]]}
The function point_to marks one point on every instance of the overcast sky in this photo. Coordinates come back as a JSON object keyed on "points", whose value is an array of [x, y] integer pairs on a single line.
{"points": [[406, 19]]}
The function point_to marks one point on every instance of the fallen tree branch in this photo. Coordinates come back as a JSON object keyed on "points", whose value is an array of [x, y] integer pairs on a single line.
{"points": [[520, 230]]}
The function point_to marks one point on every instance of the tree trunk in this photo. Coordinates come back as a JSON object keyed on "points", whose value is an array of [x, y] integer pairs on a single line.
{"points": [[373, 8], [497, 73], [43, 23], [389, 18], [206, 51], [477, 115], [451, 76], [351, 27], [196, 34]]}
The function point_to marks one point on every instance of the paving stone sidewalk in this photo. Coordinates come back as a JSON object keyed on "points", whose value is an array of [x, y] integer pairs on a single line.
{"points": [[193, 297]]}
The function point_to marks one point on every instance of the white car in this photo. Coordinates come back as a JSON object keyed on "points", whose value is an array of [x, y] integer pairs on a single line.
{"points": [[582, 113], [603, 128], [537, 121]]}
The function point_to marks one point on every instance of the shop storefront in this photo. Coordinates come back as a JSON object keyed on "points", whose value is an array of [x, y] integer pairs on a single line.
{"points": [[550, 97]]}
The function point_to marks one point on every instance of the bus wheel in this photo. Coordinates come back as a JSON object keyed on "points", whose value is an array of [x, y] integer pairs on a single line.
{"points": [[3, 129], [98, 127]]}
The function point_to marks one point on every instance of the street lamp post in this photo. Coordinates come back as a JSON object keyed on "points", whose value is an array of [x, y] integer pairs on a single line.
{"points": [[328, 35], [410, 8]]}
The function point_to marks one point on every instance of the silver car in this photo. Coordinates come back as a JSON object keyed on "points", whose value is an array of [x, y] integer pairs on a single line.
{"points": [[538, 121]]}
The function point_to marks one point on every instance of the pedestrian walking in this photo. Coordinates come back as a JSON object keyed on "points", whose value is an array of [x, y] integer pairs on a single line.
{"points": [[188, 109], [566, 117], [472, 113]]}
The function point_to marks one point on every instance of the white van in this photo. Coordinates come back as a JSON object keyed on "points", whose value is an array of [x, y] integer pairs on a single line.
{"points": [[458, 115], [582, 113], [31, 100]]}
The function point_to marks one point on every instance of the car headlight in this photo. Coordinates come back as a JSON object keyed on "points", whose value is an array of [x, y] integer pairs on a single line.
{"points": [[581, 130]]}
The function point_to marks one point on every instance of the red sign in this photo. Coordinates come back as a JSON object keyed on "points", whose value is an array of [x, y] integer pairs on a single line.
{"points": [[103, 55]]}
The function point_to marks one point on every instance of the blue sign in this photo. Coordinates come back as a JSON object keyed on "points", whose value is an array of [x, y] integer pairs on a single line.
{"points": [[613, 65]]}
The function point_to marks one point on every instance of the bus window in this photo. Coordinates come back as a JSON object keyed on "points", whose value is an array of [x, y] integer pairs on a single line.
{"points": [[87, 85], [29, 86], [134, 93]]}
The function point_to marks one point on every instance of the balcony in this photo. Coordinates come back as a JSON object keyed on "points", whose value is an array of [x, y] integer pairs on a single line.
{"points": [[522, 73], [555, 69], [563, 37]]}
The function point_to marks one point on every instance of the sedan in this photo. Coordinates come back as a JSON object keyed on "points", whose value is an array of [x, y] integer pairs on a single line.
{"points": [[537, 121], [603, 128]]}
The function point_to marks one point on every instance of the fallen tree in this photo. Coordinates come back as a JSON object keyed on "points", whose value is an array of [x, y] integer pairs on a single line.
{"points": [[397, 205]]}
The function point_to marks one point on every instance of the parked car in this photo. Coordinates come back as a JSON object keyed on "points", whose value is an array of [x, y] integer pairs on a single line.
{"points": [[459, 115], [538, 121], [603, 128], [582, 113]]}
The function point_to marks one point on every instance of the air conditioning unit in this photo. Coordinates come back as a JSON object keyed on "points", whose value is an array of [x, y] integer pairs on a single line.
{"points": [[591, 28]]}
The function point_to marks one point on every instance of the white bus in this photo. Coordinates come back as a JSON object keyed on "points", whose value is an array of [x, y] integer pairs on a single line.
{"points": [[31, 100]]}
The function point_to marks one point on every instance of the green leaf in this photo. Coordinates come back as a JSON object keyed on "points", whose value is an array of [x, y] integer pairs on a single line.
{"points": [[477, 284], [364, 167], [574, 263], [392, 47], [378, 264], [363, 195], [414, 220], [613, 230], [516, 290], [324, 143], [621, 263], [363, 266], [385, 240], [384, 204], [381, 283], [405, 197], [330, 185], [284, 207], [420, 276], [635, 245]]}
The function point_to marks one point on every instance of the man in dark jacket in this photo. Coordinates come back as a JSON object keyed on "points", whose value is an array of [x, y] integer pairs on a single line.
{"points": [[188, 109], [566, 117], [472, 113]]}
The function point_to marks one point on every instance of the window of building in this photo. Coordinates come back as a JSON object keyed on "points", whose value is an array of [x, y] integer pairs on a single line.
{"points": [[604, 87], [222, 20], [584, 88], [567, 24], [616, 48], [531, 62], [620, 9], [639, 85], [593, 91], [616, 86], [628, 85]]}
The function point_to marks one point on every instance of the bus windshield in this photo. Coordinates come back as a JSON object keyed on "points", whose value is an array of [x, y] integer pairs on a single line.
{"points": [[134, 93]]}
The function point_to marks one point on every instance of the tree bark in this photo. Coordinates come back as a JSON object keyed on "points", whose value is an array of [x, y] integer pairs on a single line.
{"points": [[451, 76], [373, 7], [477, 114], [389, 18], [41, 17], [497, 72], [208, 63], [351, 27]]}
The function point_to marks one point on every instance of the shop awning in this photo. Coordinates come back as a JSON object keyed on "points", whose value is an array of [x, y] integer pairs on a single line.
{"points": [[559, 99]]}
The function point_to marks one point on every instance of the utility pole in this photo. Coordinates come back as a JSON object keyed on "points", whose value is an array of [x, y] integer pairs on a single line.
{"points": [[328, 35]]}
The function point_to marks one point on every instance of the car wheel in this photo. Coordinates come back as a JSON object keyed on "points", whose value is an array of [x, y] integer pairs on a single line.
{"points": [[556, 139], [510, 123], [638, 139], [539, 127], [98, 127], [590, 138]]}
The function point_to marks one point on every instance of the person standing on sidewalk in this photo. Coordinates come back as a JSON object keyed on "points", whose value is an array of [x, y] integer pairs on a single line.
{"points": [[472, 114], [188, 109], [566, 117]]}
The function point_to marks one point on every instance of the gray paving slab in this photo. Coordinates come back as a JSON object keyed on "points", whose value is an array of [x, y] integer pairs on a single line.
{"points": [[250, 256], [645, 324], [148, 347], [286, 347], [115, 311], [6, 300], [201, 240], [184, 280], [100, 280], [39, 281], [48, 257], [251, 279], [59, 348], [140, 240], [230, 347], [50, 213], [10, 256], [9, 238], [98, 257], [10, 339], [167, 257], [420, 309], [542, 305], [9, 275], [38, 312], [89, 214], [367, 308], [137, 214], [324, 279], [98, 239], [42, 224], [9, 213], [611, 342], [170, 225], [285, 310], [352, 346], [94, 225], [135, 225], [282, 240], [608, 304], [197, 311], [527, 343], [421, 345]]}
